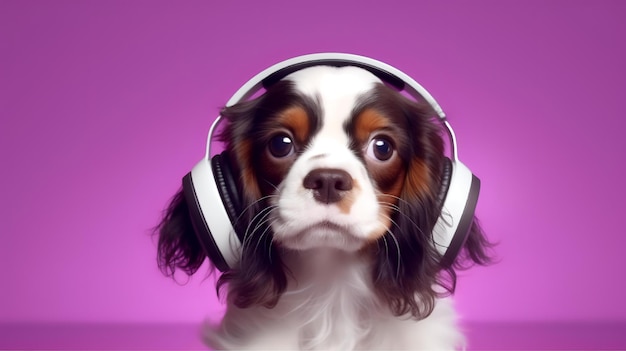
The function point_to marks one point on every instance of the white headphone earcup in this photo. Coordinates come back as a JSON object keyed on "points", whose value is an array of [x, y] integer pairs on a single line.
{"points": [[210, 218], [457, 212]]}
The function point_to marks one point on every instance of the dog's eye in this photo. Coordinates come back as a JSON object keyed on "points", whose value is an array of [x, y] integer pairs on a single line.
{"points": [[380, 148], [281, 146]]}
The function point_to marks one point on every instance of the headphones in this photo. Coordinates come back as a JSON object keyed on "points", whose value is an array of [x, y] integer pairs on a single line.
{"points": [[211, 190]]}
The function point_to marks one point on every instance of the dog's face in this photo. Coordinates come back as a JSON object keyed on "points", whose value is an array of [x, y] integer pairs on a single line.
{"points": [[332, 158], [340, 169]]}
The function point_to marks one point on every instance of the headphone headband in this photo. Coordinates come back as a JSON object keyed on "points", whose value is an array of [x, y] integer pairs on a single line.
{"points": [[382, 70], [385, 72]]}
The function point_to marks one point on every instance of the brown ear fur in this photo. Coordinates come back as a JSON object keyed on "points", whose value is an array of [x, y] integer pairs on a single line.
{"points": [[408, 279]]}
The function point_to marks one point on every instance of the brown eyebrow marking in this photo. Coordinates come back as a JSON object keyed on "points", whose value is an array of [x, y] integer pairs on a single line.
{"points": [[297, 120], [368, 121]]}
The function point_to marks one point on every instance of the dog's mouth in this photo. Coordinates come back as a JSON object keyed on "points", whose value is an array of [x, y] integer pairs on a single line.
{"points": [[328, 225], [324, 234]]}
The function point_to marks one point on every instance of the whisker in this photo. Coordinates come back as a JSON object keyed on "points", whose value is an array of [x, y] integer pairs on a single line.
{"points": [[395, 240], [265, 231], [399, 199], [259, 218], [269, 251], [386, 246], [399, 263], [265, 217], [273, 186], [397, 210], [251, 205]]}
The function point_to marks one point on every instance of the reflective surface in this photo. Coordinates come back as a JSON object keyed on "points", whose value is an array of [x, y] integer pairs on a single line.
{"points": [[482, 336]]}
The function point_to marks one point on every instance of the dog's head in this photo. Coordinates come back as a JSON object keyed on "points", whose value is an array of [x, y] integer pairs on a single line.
{"points": [[332, 158]]}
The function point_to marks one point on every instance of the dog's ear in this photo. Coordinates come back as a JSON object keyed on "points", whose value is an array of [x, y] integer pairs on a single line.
{"points": [[408, 274], [408, 271], [178, 246], [260, 278]]}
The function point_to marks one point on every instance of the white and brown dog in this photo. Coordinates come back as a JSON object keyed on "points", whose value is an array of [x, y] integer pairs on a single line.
{"points": [[339, 176]]}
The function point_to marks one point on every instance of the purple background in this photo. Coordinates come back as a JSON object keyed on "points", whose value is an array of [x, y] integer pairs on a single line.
{"points": [[105, 105]]}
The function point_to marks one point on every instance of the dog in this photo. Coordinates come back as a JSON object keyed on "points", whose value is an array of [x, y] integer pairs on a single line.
{"points": [[340, 176]]}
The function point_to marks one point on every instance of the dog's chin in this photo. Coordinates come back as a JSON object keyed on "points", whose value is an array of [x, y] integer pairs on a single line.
{"points": [[322, 235]]}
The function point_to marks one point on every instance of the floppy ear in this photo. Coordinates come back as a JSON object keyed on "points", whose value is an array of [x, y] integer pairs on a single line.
{"points": [[408, 272], [178, 246], [407, 275], [260, 277]]}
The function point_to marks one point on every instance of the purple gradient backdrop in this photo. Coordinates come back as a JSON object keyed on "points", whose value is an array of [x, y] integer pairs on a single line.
{"points": [[105, 105]]}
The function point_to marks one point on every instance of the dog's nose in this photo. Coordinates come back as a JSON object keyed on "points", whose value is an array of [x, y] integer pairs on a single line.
{"points": [[328, 184]]}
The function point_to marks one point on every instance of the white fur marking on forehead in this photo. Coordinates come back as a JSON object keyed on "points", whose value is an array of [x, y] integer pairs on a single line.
{"points": [[333, 82]]}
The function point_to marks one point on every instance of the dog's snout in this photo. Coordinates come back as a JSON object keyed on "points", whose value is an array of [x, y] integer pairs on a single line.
{"points": [[328, 185]]}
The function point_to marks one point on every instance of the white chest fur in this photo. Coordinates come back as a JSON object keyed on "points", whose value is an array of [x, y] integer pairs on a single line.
{"points": [[333, 308]]}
